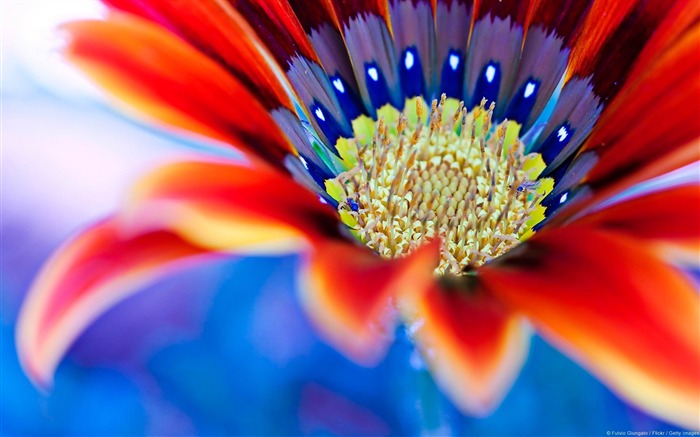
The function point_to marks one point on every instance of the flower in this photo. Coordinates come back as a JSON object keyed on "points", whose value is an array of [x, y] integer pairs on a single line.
{"points": [[477, 216]]}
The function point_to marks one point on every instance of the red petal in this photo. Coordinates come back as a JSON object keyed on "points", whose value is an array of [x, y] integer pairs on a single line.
{"points": [[513, 9], [219, 31], [474, 345], [227, 206], [600, 23], [668, 218], [157, 74], [680, 17], [91, 273], [346, 10], [277, 25], [617, 28], [550, 15], [663, 101], [607, 301], [348, 291], [177, 212]]}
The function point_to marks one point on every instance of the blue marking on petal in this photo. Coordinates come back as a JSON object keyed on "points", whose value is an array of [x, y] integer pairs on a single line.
{"points": [[523, 102], [353, 205], [377, 87], [556, 199], [558, 173], [411, 73], [553, 203], [319, 174], [556, 141], [348, 99], [488, 84], [452, 78], [329, 125], [541, 224]]}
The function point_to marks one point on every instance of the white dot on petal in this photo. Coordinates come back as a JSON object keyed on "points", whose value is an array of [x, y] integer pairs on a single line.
{"points": [[303, 161], [409, 60], [529, 89], [562, 133], [373, 73], [319, 114], [563, 198], [454, 62], [490, 73], [338, 84]]}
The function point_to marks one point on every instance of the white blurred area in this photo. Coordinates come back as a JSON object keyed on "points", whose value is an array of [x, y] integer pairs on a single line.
{"points": [[31, 41], [67, 158]]}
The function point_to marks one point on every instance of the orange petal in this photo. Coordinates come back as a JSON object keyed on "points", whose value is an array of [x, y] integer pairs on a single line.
{"points": [[474, 345], [348, 292], [157, 74], [599, 25], [274, 21], [668, 218], [178, 212], [87, 276], [608, 302], [218, 30], [227, 206]]}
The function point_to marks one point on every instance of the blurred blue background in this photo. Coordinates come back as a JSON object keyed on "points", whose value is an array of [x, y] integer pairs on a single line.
{"points": [[222, 349]]}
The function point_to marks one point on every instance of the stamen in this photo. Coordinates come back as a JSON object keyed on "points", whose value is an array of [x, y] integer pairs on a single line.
{"points": [[460, 179]]}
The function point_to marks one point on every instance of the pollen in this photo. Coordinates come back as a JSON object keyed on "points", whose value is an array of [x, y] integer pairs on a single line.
{"points": [[445, 172]]}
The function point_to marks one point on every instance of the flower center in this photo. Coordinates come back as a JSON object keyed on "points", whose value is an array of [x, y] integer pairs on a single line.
{"points": [[456, 177]]}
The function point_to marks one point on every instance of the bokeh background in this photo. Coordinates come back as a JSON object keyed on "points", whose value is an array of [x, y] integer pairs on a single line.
{"points": [[222, 349]]}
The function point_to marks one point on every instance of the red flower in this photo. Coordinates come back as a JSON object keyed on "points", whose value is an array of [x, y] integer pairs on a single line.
{"points": [[473, 234]]}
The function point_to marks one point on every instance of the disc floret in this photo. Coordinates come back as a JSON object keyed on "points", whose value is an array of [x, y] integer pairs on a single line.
{"points": [[455, 176]]}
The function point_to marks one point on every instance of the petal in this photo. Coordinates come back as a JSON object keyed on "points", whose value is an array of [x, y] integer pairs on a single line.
{"points": [[365, 28], [474, 345], [284, 36], [619, 154], [453, 20], [680, 17], [219, 31], [87, 276], [494, 52], [158, 75], [228, 38], [608, 302], [604, 50], [322, 29], [227, 206], [663, 101], [278, 27], [413, 31], [599, 26], [346, 10], [611, 38], [669, 218], [348, 292], [549, 31], [177, 214]]}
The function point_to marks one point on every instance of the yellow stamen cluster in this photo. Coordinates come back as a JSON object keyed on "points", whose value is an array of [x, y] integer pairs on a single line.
{"points": [[457, 176]]}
